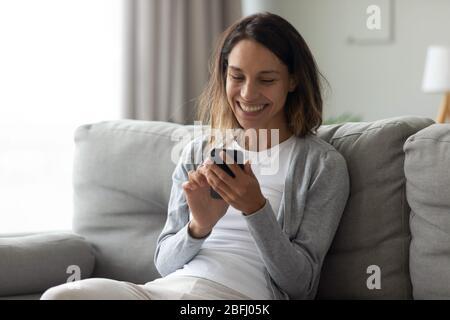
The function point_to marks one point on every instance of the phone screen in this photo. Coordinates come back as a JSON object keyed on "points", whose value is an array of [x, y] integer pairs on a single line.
{"points": [[238, 158]]}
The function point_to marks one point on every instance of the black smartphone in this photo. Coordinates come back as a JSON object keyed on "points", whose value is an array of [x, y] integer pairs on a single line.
{"points": [[238, 158]]}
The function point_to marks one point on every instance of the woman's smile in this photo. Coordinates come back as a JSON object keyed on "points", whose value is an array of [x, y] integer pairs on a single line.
{"points": [[251, 110]]}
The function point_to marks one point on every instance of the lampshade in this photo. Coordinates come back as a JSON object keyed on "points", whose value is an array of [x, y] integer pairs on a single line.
{"points": [[436, 77]]}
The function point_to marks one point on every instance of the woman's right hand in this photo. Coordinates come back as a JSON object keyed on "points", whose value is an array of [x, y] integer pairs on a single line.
{"points": [[206, 211]]}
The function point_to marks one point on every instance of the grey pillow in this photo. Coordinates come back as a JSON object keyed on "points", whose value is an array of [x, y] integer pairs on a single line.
{"points": [[122, 180], [427, 170], [374, 229], [34, 263]]}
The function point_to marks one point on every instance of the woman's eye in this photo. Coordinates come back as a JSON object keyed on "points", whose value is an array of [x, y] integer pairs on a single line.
{"points": [[237, 78]]}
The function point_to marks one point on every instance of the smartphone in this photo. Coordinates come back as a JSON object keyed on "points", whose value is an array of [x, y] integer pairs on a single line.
{"points": [[238, 158]]}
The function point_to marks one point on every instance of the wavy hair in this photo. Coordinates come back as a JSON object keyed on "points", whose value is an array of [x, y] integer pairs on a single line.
{"points": [[303, 107]]}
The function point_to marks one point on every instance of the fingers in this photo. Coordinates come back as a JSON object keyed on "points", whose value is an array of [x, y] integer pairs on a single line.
{"points": [[229, 161], [248, 169], [226, 179], [219, 173], [219, 185], [196, 180], [186, 186]]}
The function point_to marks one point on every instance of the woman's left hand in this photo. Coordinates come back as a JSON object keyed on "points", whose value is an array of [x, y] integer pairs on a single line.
{"points": [[241, 192]]}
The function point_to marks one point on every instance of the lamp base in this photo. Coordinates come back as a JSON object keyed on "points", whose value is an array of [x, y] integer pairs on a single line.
{"points": [[444, 110]]}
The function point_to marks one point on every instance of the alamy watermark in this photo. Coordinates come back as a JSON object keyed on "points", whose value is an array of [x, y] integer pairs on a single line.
{"points": [[263, 141], [373, 21], [75, 276], [374, 280]]}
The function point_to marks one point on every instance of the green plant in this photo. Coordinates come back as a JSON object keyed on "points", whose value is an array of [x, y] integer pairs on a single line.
{"points": [[345, 117]]}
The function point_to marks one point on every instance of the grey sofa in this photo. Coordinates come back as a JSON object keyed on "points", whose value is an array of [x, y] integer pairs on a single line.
{"points": [[393, 241]]}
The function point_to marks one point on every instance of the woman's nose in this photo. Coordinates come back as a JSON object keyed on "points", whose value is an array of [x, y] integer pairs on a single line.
{"points": [[249, 91]]}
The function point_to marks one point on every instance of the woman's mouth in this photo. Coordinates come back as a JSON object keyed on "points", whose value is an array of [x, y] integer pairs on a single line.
{"points": [[251, 110]]}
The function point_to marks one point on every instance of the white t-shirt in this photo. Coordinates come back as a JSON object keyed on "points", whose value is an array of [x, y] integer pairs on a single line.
{"points": [[229, 255]]}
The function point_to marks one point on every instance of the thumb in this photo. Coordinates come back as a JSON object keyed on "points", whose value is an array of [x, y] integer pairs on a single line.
{"points": [[186, 186]]}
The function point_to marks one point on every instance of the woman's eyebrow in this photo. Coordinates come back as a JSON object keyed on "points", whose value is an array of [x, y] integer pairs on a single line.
{"points": [[264, 71]]}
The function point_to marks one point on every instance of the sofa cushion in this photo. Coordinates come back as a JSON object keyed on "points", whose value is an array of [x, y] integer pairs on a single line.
{"points": [[374, 231], [122, 181], [427, 170], [33, 263], [35, 296]]}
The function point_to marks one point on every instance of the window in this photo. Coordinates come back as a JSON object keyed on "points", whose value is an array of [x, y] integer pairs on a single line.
{"points": [[60, 67]]}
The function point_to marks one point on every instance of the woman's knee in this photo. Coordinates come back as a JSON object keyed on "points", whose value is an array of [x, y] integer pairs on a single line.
{"points": [[78, 290], [95, 289], [62, 292]]}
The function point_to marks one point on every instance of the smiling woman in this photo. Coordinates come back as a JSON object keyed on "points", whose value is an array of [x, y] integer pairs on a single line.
{"points": [[56, 74], [267, 235]]}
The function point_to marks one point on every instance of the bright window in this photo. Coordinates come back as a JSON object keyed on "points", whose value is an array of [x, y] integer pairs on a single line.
{"points": [[60, 67]]}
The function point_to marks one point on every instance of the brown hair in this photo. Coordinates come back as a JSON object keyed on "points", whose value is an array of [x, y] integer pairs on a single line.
{"points": [[303, 108]]}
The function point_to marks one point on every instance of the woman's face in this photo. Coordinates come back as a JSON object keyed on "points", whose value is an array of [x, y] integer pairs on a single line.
{"points": [[257, 84]]}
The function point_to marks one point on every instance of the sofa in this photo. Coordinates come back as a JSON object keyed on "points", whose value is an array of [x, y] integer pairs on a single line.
{"points": [[393, 241]]}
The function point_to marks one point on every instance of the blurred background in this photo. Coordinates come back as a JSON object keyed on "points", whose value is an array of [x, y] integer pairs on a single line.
{"points": [[64, 63]]}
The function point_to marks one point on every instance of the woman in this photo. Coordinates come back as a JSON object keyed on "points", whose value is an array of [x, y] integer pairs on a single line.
{"points": [[268, 235]]}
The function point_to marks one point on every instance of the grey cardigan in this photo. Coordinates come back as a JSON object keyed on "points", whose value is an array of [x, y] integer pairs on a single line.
{"points": [[294, 241]]}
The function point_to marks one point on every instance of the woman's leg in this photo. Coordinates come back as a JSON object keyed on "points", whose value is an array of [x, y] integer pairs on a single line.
{"points": [[96, 289], [170, 288], [190, 288]]}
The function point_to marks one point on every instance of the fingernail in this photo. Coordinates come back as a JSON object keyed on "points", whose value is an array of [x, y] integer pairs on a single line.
{"points": [[208, 161]]}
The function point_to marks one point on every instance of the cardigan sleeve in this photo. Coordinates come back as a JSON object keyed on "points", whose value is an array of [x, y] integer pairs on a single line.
{"points": [[175, 246], [294, 264]]}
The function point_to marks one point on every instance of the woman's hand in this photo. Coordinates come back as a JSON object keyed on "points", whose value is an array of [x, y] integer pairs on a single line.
{"points": [[205, 210], [242, 192]]}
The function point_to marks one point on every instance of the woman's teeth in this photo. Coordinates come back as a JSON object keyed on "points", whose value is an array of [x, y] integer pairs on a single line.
{"points": [[254, 108]]}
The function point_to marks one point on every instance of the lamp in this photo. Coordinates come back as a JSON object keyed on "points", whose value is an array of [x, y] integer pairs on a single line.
{"points": [[436, 78]]}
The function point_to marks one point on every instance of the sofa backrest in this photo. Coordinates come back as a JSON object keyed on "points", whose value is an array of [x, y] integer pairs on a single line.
{"points": [[122, 180], [369, 256]]}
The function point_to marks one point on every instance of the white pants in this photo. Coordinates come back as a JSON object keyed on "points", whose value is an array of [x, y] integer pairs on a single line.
{"points": [[171, 288]]}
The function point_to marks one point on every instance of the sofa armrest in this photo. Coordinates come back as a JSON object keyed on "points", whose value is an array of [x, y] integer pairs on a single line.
{"points": [[35, 262], [427, 190]]}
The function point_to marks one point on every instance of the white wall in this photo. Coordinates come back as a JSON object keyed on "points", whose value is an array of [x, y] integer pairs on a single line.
{"points": [[374, 81]]}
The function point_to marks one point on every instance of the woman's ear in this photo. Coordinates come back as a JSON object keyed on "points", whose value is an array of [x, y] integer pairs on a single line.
{"points": [[292, 84]]}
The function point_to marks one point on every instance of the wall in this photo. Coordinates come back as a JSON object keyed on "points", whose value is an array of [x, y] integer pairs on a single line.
{"points": [[374, 81]]}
